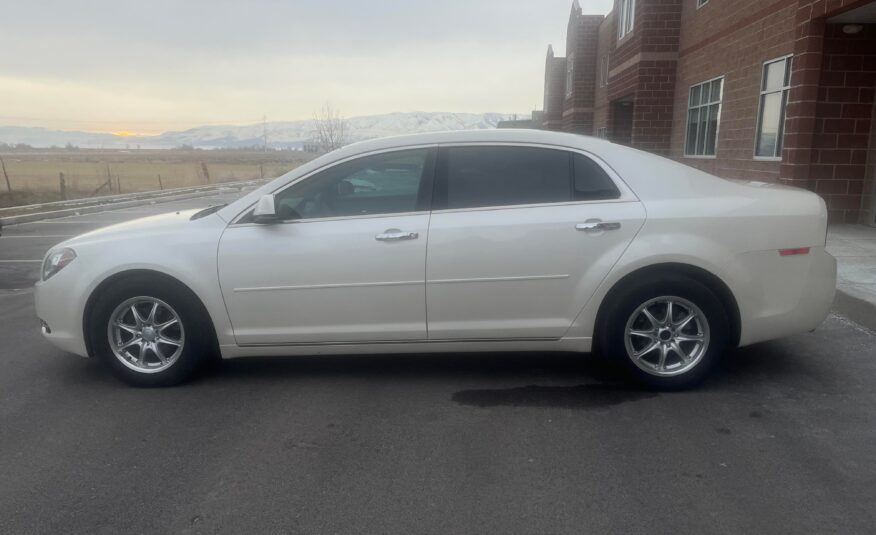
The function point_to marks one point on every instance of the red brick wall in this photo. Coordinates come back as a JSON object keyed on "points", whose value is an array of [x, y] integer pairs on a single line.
{"points": [[733, 40], [674, 45], [555, 91], [843, 120], [606, 39], [644, 68], [582, 39], [802, 125], [653, 109]]}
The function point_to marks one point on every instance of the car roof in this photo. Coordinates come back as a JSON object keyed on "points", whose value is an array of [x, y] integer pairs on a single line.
{"points": [[493, 135], [647, 175]]}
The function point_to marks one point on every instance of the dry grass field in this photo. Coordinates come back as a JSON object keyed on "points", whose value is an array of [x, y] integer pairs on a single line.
{"points": [[34, 176]]}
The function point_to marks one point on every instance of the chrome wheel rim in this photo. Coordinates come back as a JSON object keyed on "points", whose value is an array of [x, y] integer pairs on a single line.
{"points": [[146, 334], [667, 336]]}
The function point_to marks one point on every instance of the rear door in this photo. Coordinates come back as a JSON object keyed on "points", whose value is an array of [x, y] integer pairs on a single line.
{"points": [[519, 239]]}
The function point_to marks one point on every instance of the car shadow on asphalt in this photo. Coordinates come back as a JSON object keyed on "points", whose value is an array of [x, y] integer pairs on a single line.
{"points": [[564, 380], [586, 380]]}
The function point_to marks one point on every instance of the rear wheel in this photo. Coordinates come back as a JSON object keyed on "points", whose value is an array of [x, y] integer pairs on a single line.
{"points": [[150, 333], [669, 333]]}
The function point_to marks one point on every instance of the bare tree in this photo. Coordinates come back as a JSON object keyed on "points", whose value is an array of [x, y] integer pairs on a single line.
{"points": [[330, 129]]}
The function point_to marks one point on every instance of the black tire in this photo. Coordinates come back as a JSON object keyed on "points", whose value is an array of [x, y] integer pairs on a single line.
{"points": [[199, 340], [627, 301]]}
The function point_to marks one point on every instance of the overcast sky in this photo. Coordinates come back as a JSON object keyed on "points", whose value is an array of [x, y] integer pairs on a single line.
{"points": [[151, 66]]}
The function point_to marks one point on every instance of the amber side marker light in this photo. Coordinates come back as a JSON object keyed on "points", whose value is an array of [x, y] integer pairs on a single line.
{"points": [[794, 252]]}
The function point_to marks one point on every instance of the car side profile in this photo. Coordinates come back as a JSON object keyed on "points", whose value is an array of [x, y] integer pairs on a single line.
{"points": [[495, 240]]}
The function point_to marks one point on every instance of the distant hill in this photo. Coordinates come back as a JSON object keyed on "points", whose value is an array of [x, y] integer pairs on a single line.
{"points": [[286, 135]]}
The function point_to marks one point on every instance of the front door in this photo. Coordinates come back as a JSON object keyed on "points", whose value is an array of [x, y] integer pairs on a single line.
{"points": [[520, 239], [347, 264]]}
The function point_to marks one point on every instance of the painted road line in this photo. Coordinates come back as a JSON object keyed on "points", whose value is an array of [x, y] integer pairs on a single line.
{"points": [[41, 236], [21, 261], [65, 222]]}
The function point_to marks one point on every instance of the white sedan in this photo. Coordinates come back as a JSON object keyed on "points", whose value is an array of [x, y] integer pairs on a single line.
{"points": [[501, 240]]}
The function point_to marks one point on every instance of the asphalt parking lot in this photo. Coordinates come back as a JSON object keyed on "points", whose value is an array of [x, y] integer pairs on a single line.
{"points": [[782, 439]]}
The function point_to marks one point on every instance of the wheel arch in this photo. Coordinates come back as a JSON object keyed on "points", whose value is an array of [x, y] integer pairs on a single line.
{"points": [[709, 279], [145, 275]]}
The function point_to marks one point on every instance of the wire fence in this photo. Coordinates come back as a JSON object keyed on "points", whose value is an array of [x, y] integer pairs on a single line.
{"points": [[28, 179]]}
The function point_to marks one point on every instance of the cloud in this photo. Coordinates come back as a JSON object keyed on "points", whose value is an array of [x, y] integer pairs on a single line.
{"points": [[175, 63]]}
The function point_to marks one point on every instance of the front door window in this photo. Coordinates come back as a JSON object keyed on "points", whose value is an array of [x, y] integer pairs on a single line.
{"points": [[380, 184]]}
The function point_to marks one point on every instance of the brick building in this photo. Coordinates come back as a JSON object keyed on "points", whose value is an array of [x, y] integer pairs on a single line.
{"points": [[776, 90]]}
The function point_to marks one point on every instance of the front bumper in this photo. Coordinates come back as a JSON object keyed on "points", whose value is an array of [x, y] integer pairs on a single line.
{"points": [[59, 308]]}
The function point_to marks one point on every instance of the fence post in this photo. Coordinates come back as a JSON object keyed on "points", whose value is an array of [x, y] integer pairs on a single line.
{"points": [[8, 185], [62, 186], [109, 178], [160, 185]]}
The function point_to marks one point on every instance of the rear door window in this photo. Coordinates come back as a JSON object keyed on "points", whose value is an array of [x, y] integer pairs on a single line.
{"points": [[481, 176]]}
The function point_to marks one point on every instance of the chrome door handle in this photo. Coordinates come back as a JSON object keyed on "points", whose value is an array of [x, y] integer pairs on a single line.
{"points": [[597, 225], [396, 235]]}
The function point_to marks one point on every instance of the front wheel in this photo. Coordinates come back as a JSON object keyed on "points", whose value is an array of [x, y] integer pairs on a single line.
{"points": [[150, 333], [668, 333]]}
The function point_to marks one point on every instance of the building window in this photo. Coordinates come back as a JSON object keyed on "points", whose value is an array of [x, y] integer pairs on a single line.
{"points": [[570, 75], [774, 90], [701, 3], [703, 116], [602, 132], [626, 17], [603, 71]]}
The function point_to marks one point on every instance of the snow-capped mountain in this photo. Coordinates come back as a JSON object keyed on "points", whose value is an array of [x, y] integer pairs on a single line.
{"points": [[291, 134]]}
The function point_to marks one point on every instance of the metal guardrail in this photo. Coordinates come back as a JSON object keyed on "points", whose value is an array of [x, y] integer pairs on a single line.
{"points": [[57, 209], [125, 197]]}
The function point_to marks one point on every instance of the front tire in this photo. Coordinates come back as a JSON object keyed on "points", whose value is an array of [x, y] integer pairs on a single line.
{"points": [[668, 333], [150, 333]]}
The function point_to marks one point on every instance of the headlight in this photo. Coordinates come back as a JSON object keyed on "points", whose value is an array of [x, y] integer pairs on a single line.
{"points": [[56, 261]]}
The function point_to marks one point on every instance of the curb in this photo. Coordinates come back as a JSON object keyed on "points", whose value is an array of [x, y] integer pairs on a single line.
{"points": [[855, 308], [147, 199]]}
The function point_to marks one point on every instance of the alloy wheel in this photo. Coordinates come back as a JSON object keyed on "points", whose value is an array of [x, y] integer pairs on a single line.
{"points": [[667, 336], [146, 334]]}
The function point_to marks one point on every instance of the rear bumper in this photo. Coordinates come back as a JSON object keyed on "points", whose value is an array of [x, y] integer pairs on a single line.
{"points": [[785, 295]]}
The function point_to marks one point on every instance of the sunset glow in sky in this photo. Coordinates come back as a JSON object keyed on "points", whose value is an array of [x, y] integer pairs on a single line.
{"points": [[147, 67]]}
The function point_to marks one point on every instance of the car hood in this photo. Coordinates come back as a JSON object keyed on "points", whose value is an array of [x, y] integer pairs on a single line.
{"points": [[143, 227]]}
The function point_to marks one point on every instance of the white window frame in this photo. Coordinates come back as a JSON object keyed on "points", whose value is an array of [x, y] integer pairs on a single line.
{"points": [[626, 19], [701, 3], [785, 90], [570, 75], [603, 70], [700, 106]]}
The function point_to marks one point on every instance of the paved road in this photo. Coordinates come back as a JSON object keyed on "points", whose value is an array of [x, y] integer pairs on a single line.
{"points": [[781, 440]]}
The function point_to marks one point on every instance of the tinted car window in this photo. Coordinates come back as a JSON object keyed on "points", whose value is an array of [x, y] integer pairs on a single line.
{"points": [[502, 176], [379, 184], [591, 181]]}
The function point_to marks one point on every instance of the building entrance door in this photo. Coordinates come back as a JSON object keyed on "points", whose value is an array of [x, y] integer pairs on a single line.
{"points": [[870, 178], [622, 121]]}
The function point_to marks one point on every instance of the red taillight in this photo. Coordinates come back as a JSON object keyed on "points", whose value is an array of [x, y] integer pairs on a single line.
{"points": [[793, 252]]}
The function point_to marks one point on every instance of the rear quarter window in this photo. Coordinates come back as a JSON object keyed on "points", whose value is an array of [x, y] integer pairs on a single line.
{"points": [[592, 183]]}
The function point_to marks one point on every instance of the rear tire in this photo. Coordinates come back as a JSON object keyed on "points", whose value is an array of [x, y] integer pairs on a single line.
{"points": [[668, 333], [150, 332]]}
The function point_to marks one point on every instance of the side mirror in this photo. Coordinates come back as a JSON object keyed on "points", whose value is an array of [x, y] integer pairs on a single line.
{"points": [[265, 213]]}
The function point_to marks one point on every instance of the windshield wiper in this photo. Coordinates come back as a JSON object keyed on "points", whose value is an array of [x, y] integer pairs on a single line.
{"points": [[207, 211]]}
